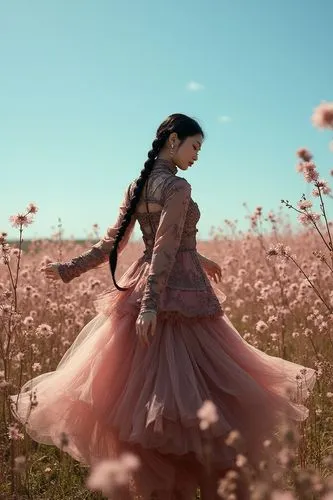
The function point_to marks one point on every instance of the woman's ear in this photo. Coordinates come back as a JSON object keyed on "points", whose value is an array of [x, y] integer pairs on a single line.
{"points": [[173, 138]]}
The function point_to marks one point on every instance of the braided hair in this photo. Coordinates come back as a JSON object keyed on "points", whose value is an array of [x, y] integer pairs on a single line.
{"points": [[185, 127]]}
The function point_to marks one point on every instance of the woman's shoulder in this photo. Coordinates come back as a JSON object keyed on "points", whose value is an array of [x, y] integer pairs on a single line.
{"points": [[179, 183]]}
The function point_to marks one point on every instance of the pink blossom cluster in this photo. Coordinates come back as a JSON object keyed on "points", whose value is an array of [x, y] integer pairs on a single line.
{"points": [[321, 187], [14, 432], [308, 168], [308, 218], [23, 220], [279, 250], [44, 331], [256, 216], [207, 415], [109, 475]]}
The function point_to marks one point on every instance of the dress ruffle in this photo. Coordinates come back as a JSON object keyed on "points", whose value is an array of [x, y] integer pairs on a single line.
{"points": [[111, 394]]}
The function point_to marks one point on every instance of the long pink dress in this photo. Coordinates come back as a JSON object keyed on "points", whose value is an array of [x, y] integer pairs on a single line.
{"points": [[110, 393]]}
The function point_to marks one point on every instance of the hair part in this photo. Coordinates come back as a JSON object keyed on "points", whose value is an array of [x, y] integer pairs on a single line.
{"points": [[185, 127]]}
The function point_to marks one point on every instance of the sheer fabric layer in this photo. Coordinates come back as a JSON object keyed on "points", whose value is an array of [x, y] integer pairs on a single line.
{"points": [[111, 394]]}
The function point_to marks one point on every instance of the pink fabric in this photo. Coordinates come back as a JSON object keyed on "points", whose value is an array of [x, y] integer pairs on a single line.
{"points": [[110, 394]]}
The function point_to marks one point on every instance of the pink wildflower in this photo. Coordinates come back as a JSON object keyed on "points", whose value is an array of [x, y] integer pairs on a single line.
{"points": [[322, 116], [304, 154], [286, 456], [107, 475], [241, 460], [323, 186], [20, 220], [304, 204], [13, 432], [32, 208], [130, 461], [279, 249], [234, 439], [309, 171], [261, 326], [44, 330], [307, 218], [207, 414], [16, 252]]}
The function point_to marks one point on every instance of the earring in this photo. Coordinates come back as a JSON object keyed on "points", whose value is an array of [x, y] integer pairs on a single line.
{"points": [[172, 150]]}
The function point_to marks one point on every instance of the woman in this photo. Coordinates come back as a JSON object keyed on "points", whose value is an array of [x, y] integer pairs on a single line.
{"points": [[160, 346]]}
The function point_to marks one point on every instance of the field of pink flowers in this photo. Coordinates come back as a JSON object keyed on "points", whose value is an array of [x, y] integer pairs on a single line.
{"points": [[279, 288]]}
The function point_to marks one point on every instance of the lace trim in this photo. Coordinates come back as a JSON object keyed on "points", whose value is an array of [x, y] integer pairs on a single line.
{"points": [[77, 266]]}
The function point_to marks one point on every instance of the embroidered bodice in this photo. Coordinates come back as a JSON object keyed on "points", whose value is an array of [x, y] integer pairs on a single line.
{"points": [[169, 234]]}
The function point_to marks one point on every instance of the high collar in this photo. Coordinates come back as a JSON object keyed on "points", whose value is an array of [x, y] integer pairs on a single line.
{"points": [[161, 163]]}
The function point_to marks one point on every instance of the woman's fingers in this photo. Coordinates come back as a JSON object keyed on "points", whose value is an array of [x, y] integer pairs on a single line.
{"points": [[141, 332], [144, 328], [153, 326], [51, 271]]}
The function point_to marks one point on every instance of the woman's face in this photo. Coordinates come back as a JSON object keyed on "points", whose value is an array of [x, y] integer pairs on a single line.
{"points": [[186, 154]]}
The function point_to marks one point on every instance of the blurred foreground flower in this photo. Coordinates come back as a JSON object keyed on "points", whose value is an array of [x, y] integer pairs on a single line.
{"points": [[108, 475], [20, 464], [323, 115], [207, 415]]}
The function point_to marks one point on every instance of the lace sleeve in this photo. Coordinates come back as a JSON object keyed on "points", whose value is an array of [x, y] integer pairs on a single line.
{"points": [[99, 253], [167, 241]]}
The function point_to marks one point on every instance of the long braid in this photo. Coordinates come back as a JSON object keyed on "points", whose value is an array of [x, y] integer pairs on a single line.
{"points": [[157, 145]]}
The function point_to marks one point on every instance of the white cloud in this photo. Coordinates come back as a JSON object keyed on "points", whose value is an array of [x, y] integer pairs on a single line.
{"points": [[224, 119], [194, 86]]}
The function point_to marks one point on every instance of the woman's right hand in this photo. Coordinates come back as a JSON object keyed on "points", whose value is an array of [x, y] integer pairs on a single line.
{"points": [[51, 271], [145, 324]]}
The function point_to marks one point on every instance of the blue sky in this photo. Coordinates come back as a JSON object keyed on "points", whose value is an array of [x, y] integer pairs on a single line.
{"points": [[84, 85]]}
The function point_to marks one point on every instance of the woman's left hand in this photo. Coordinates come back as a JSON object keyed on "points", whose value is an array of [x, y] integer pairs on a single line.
{"points": [[51, 271], [213, 270]]}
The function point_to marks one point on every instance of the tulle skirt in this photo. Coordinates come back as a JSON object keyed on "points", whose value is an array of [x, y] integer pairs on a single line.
{"points": [[111, 394]]}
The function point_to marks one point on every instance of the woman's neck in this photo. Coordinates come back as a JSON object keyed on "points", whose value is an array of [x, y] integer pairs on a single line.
{"points": [[165, 163]]}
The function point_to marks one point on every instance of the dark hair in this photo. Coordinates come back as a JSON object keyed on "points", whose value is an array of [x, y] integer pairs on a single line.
{"points": [[185, 127]]}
